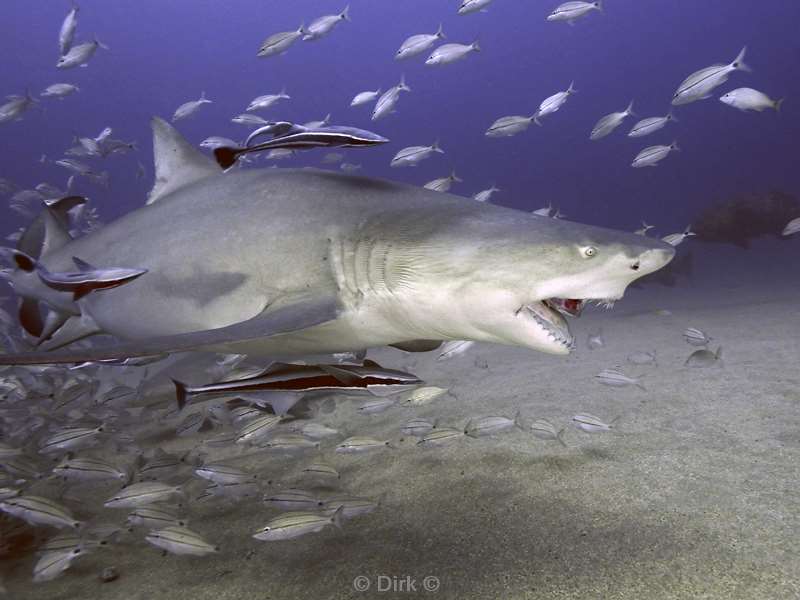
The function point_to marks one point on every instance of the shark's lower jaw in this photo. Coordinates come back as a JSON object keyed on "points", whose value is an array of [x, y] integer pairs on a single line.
{"points": [[547, 315]]}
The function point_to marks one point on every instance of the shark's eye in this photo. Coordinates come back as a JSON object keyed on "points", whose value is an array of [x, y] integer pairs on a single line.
{"points": [[589, 251]]}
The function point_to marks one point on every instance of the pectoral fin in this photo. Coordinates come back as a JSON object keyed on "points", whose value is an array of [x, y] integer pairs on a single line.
{"points": [[286, 319]]}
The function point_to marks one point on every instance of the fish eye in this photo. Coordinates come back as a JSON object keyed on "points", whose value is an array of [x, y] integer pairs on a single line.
{"points": [[589, 251]]}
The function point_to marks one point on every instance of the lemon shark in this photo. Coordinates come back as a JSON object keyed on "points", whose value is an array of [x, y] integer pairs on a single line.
{"points": [[290, 262]]}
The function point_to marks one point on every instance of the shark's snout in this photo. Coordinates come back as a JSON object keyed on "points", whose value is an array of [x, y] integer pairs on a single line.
{"points": [[653, 259]]}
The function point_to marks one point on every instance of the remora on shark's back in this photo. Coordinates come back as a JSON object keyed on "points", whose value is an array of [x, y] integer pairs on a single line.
{"points": [[296, 262]]}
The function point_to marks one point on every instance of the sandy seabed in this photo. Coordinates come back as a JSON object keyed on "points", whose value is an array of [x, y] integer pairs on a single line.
{"points": [[693, 496]]}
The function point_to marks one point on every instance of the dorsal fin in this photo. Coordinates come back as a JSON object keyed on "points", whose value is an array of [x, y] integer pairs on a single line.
{"points": [[177, 162], [50, 230]]}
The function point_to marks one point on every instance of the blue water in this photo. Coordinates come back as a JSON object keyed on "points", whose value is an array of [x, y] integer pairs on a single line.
{"points": [[165, 53]]}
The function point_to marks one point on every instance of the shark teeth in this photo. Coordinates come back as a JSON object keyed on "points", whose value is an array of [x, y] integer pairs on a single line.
{"points": [[559, 335]]}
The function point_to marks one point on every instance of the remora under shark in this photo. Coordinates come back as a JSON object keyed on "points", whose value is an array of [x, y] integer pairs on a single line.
{"points": [[291, 262]]}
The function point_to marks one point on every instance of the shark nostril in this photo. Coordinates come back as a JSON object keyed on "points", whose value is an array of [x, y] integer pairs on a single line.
{"points": [[635, 266]]}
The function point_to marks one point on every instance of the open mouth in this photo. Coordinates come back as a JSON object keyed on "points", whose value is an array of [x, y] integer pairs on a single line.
{"points": [[549, 315]]}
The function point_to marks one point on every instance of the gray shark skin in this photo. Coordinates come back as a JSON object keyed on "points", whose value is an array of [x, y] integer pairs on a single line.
{"points": [[281, 262]]}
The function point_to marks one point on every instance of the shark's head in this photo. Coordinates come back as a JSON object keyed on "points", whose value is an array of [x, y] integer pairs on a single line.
{"points": [[518, 276]]}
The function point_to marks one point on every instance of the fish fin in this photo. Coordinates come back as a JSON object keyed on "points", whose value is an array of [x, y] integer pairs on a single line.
{"points": [[177, 162], [345, 14], [418, 345], [75, 328], [336, 518], [52, 323], [50, 229], [226, 157], [738, 62], [82, 264], [518, 420], [560, 437], [286, 319], [718, 353], [30, 318], [181, 393], [23, 262], [440, 33], [282, 402], [342, 375], [778, 104]]}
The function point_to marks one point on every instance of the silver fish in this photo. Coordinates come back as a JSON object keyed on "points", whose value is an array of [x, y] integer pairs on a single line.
{"points": [[213, 142], [490, 425], [610, 122], [37, 510], [569, 11], [267, 100], [616, 378], [317, 431], [424, 395], [52, 564], [67, 33], [88, 469], [323, 25], [701, 84], [359, 444], [417, 44], [80, 55], [389, 99], [552, 103], [418, 427], [365, 97], [442, 184], [140, 494], [155, 516], [652, 155], [295, 524], [70, 438], [181, 540], [187, 109], [376, 405], [16, 105], [320, 470], [441, 437], [704, 358], [450, 53], [486, 195], [650, 125], [453, 348], [749, 99], [411, 156], [643, 229], [249, 120], [221, 473], [289, 443], [331, 158], [511, 125], [792, 227], [673, 239], [471, 6], [349, 506], [591, 424], [278, 43], [257, 429], [545, 430], [59, 90], [292, 499]]}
